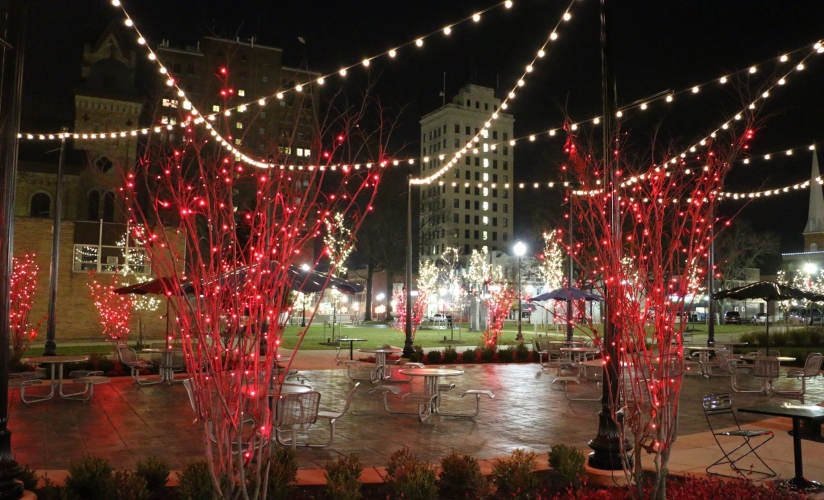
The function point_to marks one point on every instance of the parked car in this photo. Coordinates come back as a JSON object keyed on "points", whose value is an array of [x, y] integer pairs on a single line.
{"points": [[804, 316], [732, 318], [761, 319]]}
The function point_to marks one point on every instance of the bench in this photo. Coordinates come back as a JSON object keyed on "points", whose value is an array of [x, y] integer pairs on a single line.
{"points": [[22, 383], [89, 382]]}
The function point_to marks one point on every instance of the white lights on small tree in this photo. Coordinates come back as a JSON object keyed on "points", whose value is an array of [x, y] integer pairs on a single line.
{"points": [[338, 243]]}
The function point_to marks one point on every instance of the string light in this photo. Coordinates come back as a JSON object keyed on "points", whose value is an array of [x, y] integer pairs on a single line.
{"points": [[520, 82]]}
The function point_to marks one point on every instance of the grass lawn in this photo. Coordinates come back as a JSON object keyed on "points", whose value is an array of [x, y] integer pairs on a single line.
{"points": [[378, 335]]}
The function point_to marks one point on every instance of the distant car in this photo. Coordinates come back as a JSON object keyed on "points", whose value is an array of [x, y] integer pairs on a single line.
{"points": [[439, 318], [804, 316], [759, 319], [732, 318]]}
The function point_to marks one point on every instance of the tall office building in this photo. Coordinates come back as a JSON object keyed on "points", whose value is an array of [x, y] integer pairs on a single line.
{"points": [[470, 206]]}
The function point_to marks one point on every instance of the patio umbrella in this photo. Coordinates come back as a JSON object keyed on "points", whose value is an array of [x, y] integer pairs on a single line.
{"points": [[299, 280], [567, 295], [154, 287], [769, 291]]}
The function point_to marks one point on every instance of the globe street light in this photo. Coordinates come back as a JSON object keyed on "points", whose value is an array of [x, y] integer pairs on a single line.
{"points": [[520, 251], [305, 268]]}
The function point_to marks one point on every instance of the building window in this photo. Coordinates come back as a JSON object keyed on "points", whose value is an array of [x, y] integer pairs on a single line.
{"points": [[485, 236], [468, 160], [813, 247], [477, 220], [495, 193], [486, 192], [494, 236], [239, 125], [110, 259], [494, 177], [494, 207], [467, 127], [169, 103], [506, 136], [494, 222], [456, 203], [455, 219], [467, 175], [104, 164], [486, 106], [40, 205], [506, 150], [466, 204], [93, 205], [477, 176], [466, 233], [477, 161], [477, 233], [477, 191], [468, 104], [505, 237], [238, 142], [466, 191], [506, 222], [477, 105], [215, 108], [495, 164], [455, 189], [457, 174], [108, 207], [506, 166], [506, 211], [466, 248], [241, 93], [506, 194], [485, 206], [485, 220], [466, 219], [494, 134]]}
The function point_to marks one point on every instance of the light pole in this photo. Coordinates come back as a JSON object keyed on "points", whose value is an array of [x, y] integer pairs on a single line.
{"points": [[809, 270], [305, 268], [520, 251], [381, 309]]}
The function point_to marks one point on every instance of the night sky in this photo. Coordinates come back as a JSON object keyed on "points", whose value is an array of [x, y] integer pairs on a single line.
{"points": [[659, 45]]}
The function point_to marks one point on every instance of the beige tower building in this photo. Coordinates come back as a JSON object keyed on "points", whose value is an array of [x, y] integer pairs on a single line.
{"points": [[812, 258], [472, 205]]}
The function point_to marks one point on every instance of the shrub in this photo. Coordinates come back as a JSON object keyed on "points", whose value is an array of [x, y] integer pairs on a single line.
{"points": [[433, 357], [779, 339], [89, 478], [568, 462], [195, 482], [513, 474], [469, 356], [748, 337], [815, 337], [506, 355], [800, 338], [127, 485], [100, 362], [283, 472], [461, 477], [29, 478], [417, 355], [156, 473], [410, 478], [343, 478], [761, 339], [488, 354], [521, 352], [450, 355], [50, 491]]}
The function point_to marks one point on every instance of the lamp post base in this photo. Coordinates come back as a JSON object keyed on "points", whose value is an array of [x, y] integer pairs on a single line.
{"points": [[50, 349], [606, 445]]}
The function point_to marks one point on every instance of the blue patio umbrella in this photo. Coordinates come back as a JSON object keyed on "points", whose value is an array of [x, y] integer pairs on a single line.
{"points": [[566, 294]]}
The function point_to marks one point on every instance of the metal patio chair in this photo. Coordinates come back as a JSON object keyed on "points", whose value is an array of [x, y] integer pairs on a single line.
{"points": [[718, 410], [294, 411], [812, 369], [334, 416], [767, 370], [733, 368], [129, 358]]}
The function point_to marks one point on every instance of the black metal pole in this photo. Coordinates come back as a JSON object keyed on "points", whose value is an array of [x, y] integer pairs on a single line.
{"points": [[303, 315], [569, 271], [606, 444], [51, 345], [711, 282], [14, 34], [520, 335], [407, 344]]}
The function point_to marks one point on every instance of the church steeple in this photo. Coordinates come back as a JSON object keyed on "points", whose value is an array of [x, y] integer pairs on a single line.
{"points": [[815, 216]]}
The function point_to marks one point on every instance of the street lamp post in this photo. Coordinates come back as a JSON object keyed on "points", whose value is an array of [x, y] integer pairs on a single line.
{"points": [[304, 267], [520, 250]]}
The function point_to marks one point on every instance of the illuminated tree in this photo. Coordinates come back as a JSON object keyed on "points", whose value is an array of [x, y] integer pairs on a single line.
{"points": [[114, 309], [246, 224], [418, 310], [498, 305], [665, 213], [133, 272], [338, 242], [23, 289]]}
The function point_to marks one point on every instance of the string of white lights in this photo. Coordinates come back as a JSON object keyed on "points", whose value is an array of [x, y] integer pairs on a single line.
{"points": [[472, 144]]}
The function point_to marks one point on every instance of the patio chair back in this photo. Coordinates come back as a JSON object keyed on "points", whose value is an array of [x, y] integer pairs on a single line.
{"points": [[298, 408], [718, 404], [812, 366], [127, 355], [178, 361], [766, 367]]}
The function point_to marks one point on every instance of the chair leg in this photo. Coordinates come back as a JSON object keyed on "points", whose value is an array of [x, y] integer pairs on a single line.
{"points": [[739, 472]]}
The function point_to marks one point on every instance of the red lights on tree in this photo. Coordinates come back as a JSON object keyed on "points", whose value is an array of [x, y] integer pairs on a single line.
{"points": [[23, 289], [114, 309]]}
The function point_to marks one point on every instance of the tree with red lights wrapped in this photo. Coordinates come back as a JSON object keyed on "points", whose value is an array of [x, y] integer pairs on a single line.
{"points": [[418, 310], [114, 309], [238, 231], [666, 217], [23, 289], [498, 306]]}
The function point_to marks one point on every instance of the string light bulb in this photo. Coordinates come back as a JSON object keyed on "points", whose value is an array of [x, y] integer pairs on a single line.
{"points": [[447, 30]]}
